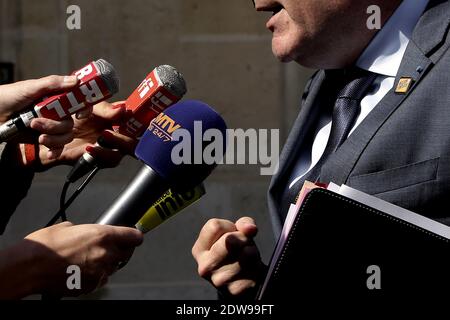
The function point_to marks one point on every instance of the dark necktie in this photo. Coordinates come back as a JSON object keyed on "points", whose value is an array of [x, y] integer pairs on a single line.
{"points": [[351, 86]]}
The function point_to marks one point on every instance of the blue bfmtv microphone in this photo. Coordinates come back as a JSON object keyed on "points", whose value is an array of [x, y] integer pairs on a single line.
{"points": [[158, 148]]}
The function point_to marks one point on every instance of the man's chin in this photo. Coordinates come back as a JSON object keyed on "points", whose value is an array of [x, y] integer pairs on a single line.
{"points": [[281, 55], [305, 61], [292, 53]]}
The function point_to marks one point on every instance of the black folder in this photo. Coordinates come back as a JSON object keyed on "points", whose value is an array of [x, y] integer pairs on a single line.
{"points": [[336, 245]]}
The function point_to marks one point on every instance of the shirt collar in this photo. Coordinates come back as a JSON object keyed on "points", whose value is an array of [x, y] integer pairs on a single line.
{"points": [[385, 52]]}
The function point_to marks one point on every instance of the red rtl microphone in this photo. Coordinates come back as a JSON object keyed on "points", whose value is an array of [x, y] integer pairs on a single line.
{"points": [[98, 82], [163, 87]]}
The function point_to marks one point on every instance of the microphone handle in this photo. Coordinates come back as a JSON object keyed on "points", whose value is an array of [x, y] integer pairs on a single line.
{"points": [[86, 163], [134, 202], [12, 127]]}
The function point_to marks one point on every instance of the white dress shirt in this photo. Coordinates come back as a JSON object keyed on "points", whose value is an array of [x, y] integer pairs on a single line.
{"points": [[382, 56]]}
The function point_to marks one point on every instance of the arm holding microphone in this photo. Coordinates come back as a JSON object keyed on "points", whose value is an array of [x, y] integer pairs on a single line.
{"points": [[86, 131], [161, 88], [48, 135], [38, 263], [17, 96], [72, 95], [57, 143]]}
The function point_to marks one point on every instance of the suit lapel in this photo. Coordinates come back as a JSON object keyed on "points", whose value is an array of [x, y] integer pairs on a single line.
{"points": [[298, 132], [302, 126], [428, 37], [348, 154], [432, 28]]}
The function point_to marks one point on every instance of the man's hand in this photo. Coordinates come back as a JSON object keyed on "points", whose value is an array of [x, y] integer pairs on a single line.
{"points": [[228, 257], [21, 95], [86, 132], [98, 251]]}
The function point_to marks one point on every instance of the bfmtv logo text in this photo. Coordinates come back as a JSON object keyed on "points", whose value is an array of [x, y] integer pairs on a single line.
{"points": [[163, 127]]}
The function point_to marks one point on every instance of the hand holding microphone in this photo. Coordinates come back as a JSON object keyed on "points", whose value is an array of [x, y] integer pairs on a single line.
{"points": [[163, 87], [15, 97], [86, 131], [39, 263], [55, 130], [98, 81]]}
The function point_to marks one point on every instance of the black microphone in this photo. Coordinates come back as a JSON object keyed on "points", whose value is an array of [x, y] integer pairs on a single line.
{"points": [[188, 120]]}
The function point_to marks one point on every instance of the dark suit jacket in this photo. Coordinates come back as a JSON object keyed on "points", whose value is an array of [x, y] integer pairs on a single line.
{"points": [[401, 151], [15, 183]]}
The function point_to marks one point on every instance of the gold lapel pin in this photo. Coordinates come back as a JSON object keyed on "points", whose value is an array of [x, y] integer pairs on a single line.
{"points": [[404, 85]]}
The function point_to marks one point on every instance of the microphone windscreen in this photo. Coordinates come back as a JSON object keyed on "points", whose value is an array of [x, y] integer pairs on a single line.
{"points": [[156, 147], [172, 79], [109, 75]]}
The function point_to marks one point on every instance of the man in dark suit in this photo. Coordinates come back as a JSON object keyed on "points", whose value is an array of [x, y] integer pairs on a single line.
{"points": [[375, 117]]}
